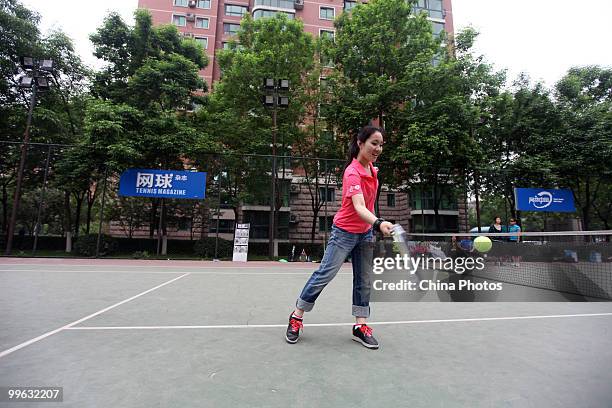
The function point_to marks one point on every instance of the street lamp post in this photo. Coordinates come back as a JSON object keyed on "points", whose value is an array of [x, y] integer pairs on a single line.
{"points": [[273, 99], [36, 78]]}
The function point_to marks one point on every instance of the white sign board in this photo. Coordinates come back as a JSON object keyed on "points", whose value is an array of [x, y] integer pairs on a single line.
{"points": [[241, 242]]}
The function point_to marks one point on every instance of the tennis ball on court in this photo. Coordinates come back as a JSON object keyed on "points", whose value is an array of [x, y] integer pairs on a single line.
{"points": [[483, 244]]}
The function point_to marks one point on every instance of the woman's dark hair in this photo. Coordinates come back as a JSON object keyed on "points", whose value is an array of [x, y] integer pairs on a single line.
{"points": [[363, 135]]}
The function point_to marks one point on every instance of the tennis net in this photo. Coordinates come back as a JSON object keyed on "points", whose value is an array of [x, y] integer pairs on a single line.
{"points": [[578, 263]]}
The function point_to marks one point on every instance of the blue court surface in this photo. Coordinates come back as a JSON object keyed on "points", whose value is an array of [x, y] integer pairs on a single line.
{"points": [[119, 333]]}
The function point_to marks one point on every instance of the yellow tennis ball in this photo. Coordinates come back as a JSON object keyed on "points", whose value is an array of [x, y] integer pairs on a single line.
{"points": [[483, 244]]}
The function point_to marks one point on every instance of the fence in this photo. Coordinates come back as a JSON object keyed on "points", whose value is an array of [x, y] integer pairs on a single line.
{"points": [[70, 204]]}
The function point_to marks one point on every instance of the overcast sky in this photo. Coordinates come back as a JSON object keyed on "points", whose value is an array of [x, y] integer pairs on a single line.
{"points": [[541, 37]]}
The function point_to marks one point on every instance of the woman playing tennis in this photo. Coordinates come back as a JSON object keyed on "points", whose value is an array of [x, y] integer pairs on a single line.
{"points": [[353, 225]]}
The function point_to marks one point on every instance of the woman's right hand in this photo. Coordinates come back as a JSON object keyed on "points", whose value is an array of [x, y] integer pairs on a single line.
{"points": [[386, 227]]}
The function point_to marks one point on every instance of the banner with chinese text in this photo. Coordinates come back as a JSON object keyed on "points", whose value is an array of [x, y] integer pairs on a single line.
{"points": [[162, 184]]}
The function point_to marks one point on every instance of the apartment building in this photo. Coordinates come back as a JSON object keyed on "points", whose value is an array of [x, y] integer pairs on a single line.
{"points": [[213, 23]]}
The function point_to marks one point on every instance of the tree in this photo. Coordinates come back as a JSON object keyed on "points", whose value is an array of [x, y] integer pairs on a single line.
{"points": [[151, 74], [275, 48], [375, 49], [440, 130], [520, 135], [316, 139], [584, 148], [56, 118]]}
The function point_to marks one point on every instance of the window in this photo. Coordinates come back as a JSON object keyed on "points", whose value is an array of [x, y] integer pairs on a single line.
{"points": [[327, 13], [422, 198], [230, 29], [235, 11], [324, 85], [203, 41], [390, 199], [286, 4], [184, 224], [446, 223], [260, 221], [349, 5], [225, 226], [180, 21], [326, 61], [204, 4], [327, 34], [201, 22], [269, 13], [232, 46], [433, 8], [326, 226], [181, 3], [329, 196], [437, 27]]}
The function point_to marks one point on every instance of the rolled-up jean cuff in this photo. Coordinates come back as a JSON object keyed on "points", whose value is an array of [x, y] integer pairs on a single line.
{"points": [[361, 311], [305, 306]]}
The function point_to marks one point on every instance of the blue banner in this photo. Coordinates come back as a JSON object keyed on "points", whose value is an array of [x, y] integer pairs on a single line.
{"points": [[538, 199], [162, 184]]}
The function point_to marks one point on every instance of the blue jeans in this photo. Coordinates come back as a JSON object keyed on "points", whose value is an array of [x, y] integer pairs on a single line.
{"points": [[341, 244]]}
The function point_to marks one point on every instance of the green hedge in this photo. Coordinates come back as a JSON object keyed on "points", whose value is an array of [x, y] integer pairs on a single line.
{"points": [[86, 245], [205, 248]]}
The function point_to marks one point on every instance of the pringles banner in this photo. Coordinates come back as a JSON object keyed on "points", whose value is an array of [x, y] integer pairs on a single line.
{"points": [[538, 199]]}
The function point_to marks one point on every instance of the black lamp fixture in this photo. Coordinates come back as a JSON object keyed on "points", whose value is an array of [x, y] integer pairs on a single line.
{"points": [[269, 83], [26, 82], [46, 65], [27, 62], [269, 100], [35, 73], [272, 96], [283, 101]]}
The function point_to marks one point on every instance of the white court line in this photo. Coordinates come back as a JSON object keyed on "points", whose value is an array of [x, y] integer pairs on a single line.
{"points": [[222, 265], [266, 326], [68, 326], [213, 272]]}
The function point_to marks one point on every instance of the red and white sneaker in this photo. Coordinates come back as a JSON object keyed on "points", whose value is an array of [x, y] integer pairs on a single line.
{"points": [[362, 333], [294, 329]]}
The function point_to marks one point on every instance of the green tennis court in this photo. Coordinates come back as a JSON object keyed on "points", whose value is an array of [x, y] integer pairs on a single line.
{"points": [[204, 334]]}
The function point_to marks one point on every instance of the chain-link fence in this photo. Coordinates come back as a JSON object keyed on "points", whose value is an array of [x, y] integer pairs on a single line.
{"points": [[70, 205]]}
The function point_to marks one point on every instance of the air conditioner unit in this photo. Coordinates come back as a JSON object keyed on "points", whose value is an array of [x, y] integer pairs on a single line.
{"points": [[294, 218], [298, 4], [192, 3], [190, 17], [295, 188]]}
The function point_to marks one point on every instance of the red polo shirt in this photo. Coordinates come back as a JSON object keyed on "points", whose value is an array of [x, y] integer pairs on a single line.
{"points": [[356, 181]]}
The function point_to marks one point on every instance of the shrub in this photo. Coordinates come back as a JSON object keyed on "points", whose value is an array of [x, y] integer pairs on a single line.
{"points": [[205, 248], [141, 255]]}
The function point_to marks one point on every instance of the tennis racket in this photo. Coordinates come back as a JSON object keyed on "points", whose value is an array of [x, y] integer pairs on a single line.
{"points": [[401, 244]]}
